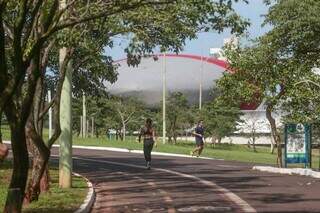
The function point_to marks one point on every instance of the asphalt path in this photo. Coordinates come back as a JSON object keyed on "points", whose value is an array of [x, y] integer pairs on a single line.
{"points": [[176, 184]]}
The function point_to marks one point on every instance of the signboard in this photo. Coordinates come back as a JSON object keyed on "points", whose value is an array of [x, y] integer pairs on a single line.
{"points": [[297, 144]]}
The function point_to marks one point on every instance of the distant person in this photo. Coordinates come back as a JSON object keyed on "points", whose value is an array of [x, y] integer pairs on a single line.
{"points": [[199, 137], [4, 150], [148, 134]]}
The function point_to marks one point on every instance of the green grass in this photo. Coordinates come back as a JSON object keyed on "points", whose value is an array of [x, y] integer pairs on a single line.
{"points": [[223, 151], [57, 200], [5, 130], [231, 152]]}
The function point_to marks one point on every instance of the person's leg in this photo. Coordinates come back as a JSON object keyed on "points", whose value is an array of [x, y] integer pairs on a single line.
{"points": [[200, 150], [195, 150], [149, 146], [145, 151]]}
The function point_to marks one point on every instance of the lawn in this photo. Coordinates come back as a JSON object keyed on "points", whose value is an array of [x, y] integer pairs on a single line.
{"points": [[222, 151], [231, 152], [57, 200]]}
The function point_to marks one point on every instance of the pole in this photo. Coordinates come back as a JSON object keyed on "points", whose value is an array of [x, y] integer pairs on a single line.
{"points": [[50, 115], [164, 99], [87, 130], [92, 125], [200, 84], [81, 126], [84, 115], [65, 149]]}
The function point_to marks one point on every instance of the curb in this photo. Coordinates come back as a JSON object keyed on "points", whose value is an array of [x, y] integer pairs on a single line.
{"points": [[89, 200], [132, 151], [136, 151], [288, 171]]}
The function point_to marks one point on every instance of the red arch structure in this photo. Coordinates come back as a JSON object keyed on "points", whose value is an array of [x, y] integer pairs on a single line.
{"points": [[210, 60], [220, 64]]}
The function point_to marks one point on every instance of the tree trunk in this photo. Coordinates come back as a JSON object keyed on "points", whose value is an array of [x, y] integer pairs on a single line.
{"points": [[219, 140], [45, 180], [213, 141], [20, 166], [41, 156], [254, 142], [272, 146], [124, 131], [275, 134], [36, 145], [0, 126]]}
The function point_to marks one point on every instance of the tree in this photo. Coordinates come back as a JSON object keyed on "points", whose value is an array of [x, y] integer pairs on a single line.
{"points": [[252, 123], [28, 29], [127, 110], [177, 112], [220, 119], [273, 68]]}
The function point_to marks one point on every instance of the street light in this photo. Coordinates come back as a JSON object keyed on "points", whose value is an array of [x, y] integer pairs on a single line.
{"points": [[164, 70], [200, 85], [50, 114]]}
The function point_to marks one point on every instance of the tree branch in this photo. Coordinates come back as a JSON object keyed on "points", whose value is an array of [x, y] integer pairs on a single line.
{"points": [[104, 14], [307, 82], [57, 97], [31, 27], [8, 30]]}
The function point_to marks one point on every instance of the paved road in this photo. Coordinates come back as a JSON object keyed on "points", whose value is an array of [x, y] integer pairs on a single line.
{"points": [[177, 184]]}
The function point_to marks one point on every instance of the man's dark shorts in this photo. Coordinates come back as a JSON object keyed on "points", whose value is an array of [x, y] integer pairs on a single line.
{"points": [[199, 142]]}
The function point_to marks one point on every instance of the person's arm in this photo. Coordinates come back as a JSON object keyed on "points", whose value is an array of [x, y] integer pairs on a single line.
{"points": [[140, 134], [195, 133], [154, 135]]}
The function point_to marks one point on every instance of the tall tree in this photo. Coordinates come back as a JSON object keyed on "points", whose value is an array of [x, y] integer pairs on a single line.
{"points": [[28, 27], [177, 112], [220, 119], [274, 68], [127, 110]]}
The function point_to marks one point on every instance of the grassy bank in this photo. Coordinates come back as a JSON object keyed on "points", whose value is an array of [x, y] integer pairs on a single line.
{"points": [[231, 152], [222, 151], [57, 200]]}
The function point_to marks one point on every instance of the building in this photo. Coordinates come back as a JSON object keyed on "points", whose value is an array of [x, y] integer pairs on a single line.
{"points": [[184, 73]]}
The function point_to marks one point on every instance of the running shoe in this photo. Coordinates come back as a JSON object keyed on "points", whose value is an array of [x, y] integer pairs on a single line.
{"points": [[148, 165]]}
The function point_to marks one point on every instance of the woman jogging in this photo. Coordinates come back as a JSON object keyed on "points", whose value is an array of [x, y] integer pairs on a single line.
{"points": [[148, 134], [199, 136]]}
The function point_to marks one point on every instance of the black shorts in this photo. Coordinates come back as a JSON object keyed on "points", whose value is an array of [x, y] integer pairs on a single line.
{"points": [[199, 142]]}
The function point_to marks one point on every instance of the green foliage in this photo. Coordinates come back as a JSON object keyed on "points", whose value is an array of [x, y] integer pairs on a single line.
{"points": [[178, 115], [110, 113], [261, 74], [220, 120]]}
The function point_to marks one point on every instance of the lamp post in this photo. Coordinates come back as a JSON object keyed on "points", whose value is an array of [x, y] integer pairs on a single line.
{"points": [[50, 115], [65, 149], [200, 84], [84, 116], [164, 98]]}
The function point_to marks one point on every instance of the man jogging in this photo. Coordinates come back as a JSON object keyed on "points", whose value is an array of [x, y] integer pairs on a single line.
{"points": [[199, 137], [148, 134]]}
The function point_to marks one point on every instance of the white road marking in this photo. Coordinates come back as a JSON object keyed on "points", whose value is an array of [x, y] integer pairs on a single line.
{"points": [[230, 166], [245, 207]]}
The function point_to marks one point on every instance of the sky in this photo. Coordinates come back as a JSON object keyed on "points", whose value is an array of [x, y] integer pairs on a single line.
{"points": [[200, 46]]}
